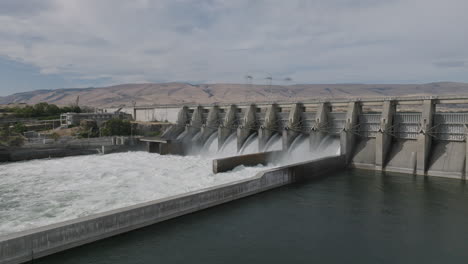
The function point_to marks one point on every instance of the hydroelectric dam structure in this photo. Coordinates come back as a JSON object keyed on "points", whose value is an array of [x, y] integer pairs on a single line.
{"points": [[415, 135]]}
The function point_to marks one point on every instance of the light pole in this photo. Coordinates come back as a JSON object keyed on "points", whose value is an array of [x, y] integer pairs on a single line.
{"points": [[248, 84], [288, 80], [269, 80]]}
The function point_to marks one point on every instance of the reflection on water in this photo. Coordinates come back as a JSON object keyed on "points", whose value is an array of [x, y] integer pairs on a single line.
{"points": [[350, 217]]}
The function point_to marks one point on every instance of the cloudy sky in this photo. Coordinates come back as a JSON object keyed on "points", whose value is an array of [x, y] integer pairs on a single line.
{"points": [[47, 44]]}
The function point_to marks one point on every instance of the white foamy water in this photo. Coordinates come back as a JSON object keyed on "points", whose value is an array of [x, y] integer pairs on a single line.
{"points": [[274, 143], [250, 146], [41, 192], [229, 148], [300, 149]]}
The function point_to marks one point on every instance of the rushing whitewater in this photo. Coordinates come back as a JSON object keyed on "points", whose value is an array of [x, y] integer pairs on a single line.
{"points": [[41, 192]]}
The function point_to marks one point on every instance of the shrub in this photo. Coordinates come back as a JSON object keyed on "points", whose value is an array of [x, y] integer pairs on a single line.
{"points": [[19, 128], [55, 136], [116, 127], [16, 141]]}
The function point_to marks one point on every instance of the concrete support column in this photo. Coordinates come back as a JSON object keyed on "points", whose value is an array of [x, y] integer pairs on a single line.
{"points": [[267, 129], [211, 125], [179, 127], [196, 122], [292, 130], [226, 128], [321, 122], [247, 127], [348, 135], [424, 139], [383, 138]]}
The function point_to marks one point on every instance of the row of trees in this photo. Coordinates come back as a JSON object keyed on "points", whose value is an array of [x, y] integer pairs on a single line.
{"points": [[42, 110], [113, 127]]}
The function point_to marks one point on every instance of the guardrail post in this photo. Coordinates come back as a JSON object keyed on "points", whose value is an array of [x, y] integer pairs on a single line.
{"points": [[383, 138], [424, 138]]}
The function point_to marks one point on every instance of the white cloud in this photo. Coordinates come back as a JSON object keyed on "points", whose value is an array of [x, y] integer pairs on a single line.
{"points": [[221, 41]]}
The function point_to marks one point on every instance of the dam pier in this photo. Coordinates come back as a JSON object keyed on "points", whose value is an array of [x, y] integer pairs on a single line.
{"points": [[415, 135]]}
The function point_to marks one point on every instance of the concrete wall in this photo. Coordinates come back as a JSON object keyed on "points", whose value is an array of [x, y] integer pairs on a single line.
{"points": [[28, 245], [73, 147], [226, 164], [157, 114]]}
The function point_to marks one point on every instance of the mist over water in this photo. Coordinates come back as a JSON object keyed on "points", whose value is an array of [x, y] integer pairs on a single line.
{"points": [[211, 144], [250, 145], [274, 143], [229, 148], [41, 192], [300, 150]]}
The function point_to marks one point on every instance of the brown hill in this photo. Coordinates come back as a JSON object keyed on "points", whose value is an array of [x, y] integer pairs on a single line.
{"points": [[169, 93]]}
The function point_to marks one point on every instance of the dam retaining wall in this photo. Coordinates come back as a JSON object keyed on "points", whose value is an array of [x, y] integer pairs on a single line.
{"points": [[35, 243], [226, 164]]}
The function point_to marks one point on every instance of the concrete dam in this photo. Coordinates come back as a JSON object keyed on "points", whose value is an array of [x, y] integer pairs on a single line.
{"points": [[312, 140], [415, 135]]}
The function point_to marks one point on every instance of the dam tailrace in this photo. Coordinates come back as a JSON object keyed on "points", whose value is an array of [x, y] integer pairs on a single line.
{"points": [[353, 216]]}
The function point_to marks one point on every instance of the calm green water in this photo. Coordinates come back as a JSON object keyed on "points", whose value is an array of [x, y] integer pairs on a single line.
{"points": [[351, 217]]}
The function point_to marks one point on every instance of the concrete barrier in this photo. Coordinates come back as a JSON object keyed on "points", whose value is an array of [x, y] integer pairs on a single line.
{"points": [[226, 164], [35, 243]]}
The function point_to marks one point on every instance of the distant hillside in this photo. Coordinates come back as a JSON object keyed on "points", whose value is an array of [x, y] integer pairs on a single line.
{"points": [[167, 93]]}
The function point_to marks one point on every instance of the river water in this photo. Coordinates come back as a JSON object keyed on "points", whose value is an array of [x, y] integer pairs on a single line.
{"points": [[42, 192], [349, 217]]}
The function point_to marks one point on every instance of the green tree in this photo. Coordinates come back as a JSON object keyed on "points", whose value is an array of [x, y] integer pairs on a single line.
{"points": [[19, 128], [116, 127], [16, 141], [55, 136]]}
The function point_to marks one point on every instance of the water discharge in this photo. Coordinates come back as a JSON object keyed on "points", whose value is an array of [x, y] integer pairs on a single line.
{"points": [[211, 144], [41, 192], [300, 149], [274, 143], [229, 148], [250, 145]]}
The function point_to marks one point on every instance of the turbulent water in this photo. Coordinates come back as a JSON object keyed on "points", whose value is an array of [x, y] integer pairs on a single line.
{"points": [[250, 145], [40, 192], [274, 143], [300, 149]]}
